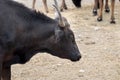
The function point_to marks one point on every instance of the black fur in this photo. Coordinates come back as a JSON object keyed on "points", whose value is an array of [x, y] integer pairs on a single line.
{"points": [[23, 32]]}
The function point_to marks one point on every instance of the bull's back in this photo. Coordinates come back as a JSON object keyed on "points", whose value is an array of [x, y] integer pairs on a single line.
{"points": [[10, 22]]}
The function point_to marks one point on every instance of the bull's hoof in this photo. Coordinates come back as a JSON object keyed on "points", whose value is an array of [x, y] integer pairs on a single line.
{"points": [[65, 7], [47, 11], [99, 19], [61, 9], [94, 13], [112, 22], [107, 10]]}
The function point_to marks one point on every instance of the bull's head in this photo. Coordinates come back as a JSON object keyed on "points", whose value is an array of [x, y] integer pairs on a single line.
{"points": [[63, 44]]}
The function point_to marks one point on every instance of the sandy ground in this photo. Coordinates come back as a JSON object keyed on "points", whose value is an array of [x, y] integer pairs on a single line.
{"points": [[99, 43]]}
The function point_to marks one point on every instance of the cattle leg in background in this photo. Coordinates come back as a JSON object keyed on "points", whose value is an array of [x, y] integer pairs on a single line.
{"points": [[77, 3], [33, 6], [112, 11], [101, 2], [96, 6], [45, 5], [107, 7], [63, 5], [107, 10]]}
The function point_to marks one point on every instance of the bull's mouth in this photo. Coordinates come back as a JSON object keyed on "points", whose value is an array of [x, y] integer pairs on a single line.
{"points": [[75, 58]]}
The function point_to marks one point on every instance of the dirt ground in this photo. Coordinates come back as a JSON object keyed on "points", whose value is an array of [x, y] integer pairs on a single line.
{"points": [[98, 42]]}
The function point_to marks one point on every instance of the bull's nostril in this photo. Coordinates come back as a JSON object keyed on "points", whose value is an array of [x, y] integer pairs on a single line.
{"points": [[76, 58], [79, 57]]}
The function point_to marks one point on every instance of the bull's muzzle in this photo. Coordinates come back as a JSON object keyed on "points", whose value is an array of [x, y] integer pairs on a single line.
{"points": [[76, 57]]}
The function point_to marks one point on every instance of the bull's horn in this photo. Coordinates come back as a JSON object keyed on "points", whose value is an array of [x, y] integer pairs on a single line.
{"points": [[61, 22]]}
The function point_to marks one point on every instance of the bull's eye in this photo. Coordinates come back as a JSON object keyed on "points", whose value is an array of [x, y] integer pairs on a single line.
{"points": [[72, 38]]}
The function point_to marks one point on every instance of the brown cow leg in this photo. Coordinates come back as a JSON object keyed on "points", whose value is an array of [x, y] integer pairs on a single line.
{"points": [[6, 73], [63, 5], [101, 9], [33, 4], [45, 5], [96, 2], [107, 9], [112, 12]]}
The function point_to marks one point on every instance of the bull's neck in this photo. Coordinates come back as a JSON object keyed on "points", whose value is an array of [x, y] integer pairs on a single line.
{"points": [[38, 32]]}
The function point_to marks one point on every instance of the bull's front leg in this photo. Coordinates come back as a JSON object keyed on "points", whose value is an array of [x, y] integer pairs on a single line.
{"points": [[6, 73], [45, 6], [112, 12], [101, 10]]}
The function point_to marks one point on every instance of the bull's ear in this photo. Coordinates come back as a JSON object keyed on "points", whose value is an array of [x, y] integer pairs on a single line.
{"points": [[58, 34]]}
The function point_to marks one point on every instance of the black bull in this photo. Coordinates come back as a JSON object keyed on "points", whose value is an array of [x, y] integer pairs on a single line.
{"points": [[24, 32]]}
